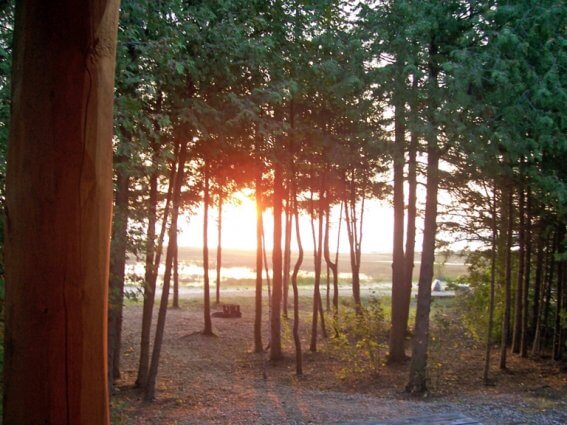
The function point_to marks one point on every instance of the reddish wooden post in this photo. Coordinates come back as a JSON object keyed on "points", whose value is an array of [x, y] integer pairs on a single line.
{"points": [[58, 208]]}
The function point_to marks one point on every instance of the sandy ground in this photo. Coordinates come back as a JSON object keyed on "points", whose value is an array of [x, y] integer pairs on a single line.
{"points": [[219, 380]]}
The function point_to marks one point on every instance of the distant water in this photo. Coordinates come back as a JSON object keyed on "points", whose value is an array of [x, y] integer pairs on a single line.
{"points": [[192, 273]]}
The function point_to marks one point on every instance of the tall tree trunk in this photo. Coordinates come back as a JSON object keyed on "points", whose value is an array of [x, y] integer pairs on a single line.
{"points": [[332, 266], [275, 322], [539, 292], [296, 268], [219, 247], [492, 288], [411, 215], [266, 268], [509, 212], [550, 277], [208, 329], [175, 261], [287, 254], [58, 213], [258, 348], [519, 306], [118, 247], [149, 390], [153, 258], [317, 256], [336, 275], [526, 290], [418, 367], [398, 327], [352, 231], [538, 334], [557, 330]]}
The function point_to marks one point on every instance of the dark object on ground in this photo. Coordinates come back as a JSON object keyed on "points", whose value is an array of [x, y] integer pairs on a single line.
{"points": [[442, 419], [229, 311]]}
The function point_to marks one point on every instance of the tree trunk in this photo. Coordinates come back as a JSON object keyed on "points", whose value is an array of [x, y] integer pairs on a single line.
{"points": [[258, 348], [519, 307], [266, 268], [350, 218], [317, 256], [508, 279], [539, 292], [336, 275], [118, 246], [208, 329], [398, 327], [149, 390], [219, 247], [58, 213], [418, 368], [557, 330], [328, 288], [175, 261], [492, 289], [153, 257], [296, 268], [275, 324], [287, 254], [411, 217], [526, 290], [332, 266], [550, 277]]}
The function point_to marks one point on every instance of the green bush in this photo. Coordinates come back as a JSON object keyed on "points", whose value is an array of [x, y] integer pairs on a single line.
{"points": [[356, 342]]}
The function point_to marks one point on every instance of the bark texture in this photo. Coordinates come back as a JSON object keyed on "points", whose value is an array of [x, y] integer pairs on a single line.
{"points": [[58, 208]]}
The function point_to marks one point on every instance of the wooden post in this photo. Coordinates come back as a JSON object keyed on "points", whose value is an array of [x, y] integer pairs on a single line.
{"points": [[58, 212]]}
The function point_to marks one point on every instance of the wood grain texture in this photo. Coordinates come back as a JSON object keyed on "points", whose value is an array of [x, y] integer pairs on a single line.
{"points": [[58, 207]]}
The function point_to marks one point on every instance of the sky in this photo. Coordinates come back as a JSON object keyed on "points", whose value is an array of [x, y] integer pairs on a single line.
{"points": [[239, 227]]}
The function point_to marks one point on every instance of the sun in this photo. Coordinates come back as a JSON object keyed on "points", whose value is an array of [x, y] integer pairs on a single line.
{"points": [[239, 227]]}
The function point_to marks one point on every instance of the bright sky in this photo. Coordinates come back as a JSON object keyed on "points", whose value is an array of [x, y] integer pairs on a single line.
{"points": [[239, 228]]}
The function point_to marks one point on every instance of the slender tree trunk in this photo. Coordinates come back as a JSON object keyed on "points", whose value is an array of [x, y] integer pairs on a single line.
{"points": [[149, 390], [508, 280], [296, 268], [287, 254], [418, 367], [275, 324], [336, 275], [519, 307], [153, 257], [492, 289], [317, 255], [557, 331], [536, 349], [219, 247], [398, 327], [539, 292], [118, 246], [267, 268], [58, 213], [551, 269], [350, 218], [208, 329], [411, 217], [175, 261], [332, 266], [526, 311], [258, 347], [328, 288]]}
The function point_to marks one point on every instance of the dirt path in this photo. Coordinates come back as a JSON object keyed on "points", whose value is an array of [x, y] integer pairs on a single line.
{"points": [[218, 380]]}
